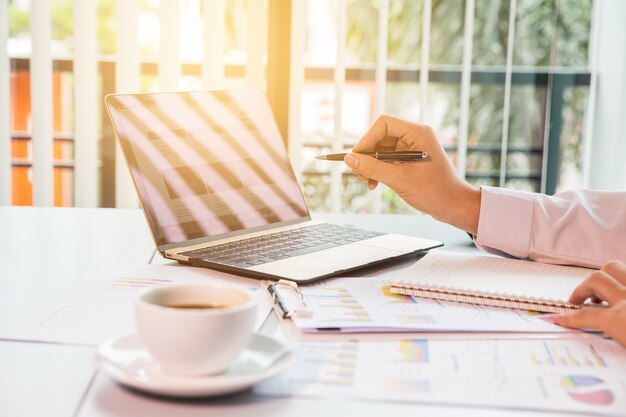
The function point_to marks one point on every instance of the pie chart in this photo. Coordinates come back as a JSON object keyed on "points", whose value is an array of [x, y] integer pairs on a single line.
{"points": [[587, 389]]}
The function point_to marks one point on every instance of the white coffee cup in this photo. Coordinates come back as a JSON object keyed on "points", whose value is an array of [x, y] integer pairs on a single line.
{"points": [[195, 329]]}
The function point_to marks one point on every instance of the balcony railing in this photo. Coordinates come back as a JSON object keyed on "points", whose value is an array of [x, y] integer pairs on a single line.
{"points": [[286, 77], [554, 81]]}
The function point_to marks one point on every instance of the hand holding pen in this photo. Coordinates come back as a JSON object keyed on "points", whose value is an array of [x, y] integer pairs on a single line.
{"points": [[393, 156], [433, 187]]}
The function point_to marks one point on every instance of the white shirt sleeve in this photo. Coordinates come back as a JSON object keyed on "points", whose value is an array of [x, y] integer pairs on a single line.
{"points": [[584, 228]]}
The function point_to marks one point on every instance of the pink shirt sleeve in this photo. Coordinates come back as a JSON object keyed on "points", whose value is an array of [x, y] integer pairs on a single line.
{"points": [[585, 228]]}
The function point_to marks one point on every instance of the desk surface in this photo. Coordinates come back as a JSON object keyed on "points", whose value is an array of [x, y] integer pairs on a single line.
{"points": [[43, 249]]}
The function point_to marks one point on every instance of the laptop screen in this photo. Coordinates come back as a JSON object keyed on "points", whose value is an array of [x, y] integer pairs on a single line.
{"points": [[206, 163]]}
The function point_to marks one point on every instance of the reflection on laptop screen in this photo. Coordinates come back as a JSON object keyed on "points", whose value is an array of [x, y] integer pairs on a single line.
{"points": [[206, 163]]}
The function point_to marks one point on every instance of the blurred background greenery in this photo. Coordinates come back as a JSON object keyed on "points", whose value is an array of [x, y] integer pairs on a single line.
{"points": [[551, 38]]}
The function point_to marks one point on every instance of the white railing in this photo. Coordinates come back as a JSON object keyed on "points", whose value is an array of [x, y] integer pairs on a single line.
{"points": [[88, 104], [466, 79], [256, 42], [424, 116], [510, 46], [127, 75], [381, 70], [380, 85], [41, 104], [340, 83], [381, 79], [169, 56], [296, 81], [126, 81], [214, 35], [5, 109]]}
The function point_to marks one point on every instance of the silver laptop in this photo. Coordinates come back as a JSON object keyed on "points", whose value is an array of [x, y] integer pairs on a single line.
{"points": [[218, 191]]}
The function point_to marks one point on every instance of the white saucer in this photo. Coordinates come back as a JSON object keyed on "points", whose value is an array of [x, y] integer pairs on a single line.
{"points": [[126, 361]]}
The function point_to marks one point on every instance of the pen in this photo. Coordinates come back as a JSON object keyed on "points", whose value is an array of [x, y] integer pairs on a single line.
{"points": [[396, 156]]}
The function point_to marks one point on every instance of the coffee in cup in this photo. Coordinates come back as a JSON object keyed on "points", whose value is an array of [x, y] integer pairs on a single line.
{"points": [[195, 329]]}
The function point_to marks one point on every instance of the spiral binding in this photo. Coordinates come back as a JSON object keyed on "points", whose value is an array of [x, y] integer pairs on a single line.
{"points": [[492, 298]]}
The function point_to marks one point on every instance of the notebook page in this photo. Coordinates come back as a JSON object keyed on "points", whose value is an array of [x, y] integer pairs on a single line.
{"points": [[488, 274]]}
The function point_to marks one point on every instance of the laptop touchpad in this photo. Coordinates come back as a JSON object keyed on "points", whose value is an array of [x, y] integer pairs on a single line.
{"points": [[351, 255]]}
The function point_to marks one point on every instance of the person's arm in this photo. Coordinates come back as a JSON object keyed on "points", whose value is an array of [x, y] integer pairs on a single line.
{"points": [[585, 228], [432, 187]]}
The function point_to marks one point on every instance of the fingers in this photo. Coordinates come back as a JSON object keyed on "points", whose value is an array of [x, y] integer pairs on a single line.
{"points": [[617, 270], [370, 168], [585, 318], [385, 132], [600, 285], [371, 184], [595, 299], [611, 320]]}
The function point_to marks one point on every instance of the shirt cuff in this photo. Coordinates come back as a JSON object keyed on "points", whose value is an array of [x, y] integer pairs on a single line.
{"points": [[505, 221]]}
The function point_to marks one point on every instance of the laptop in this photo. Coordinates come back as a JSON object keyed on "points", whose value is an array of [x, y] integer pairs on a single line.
{"points": [[212, 173]]}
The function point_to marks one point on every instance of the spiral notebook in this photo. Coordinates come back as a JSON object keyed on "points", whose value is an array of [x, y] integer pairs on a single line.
{"points": [[492, 281]]}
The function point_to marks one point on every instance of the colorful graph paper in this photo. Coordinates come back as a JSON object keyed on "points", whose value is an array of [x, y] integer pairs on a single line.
{"points": [[128, 282], [414, 350]]}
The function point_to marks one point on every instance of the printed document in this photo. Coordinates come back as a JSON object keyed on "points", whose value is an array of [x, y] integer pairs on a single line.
{"points": [[367, 305], [574, 376], [100, 305]]}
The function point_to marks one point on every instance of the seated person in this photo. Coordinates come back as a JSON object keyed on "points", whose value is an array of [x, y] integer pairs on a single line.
{"points": [[584, 228]]}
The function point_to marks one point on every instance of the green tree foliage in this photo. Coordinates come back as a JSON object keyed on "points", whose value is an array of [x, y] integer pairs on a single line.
{"points": [[63, 22], [549, 33], [61, 10], [18, 20], [106, 26]]}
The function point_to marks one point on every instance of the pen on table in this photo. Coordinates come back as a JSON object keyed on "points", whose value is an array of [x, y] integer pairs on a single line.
{"points": [[395, 156]]}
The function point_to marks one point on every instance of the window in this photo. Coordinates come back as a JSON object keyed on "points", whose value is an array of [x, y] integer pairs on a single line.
{"points": [[133, 45], [505, 84], [525, 104]]}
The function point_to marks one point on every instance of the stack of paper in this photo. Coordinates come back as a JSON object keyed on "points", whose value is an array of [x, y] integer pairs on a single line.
{"points": [[367, 305], [100, 305], [573, 376]]}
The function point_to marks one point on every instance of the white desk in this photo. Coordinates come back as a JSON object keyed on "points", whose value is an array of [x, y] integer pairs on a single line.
{"points": [[42, 250]]}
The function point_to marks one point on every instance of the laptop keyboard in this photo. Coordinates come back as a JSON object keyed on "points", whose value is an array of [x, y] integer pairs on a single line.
{"points": [[272, 247]]}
